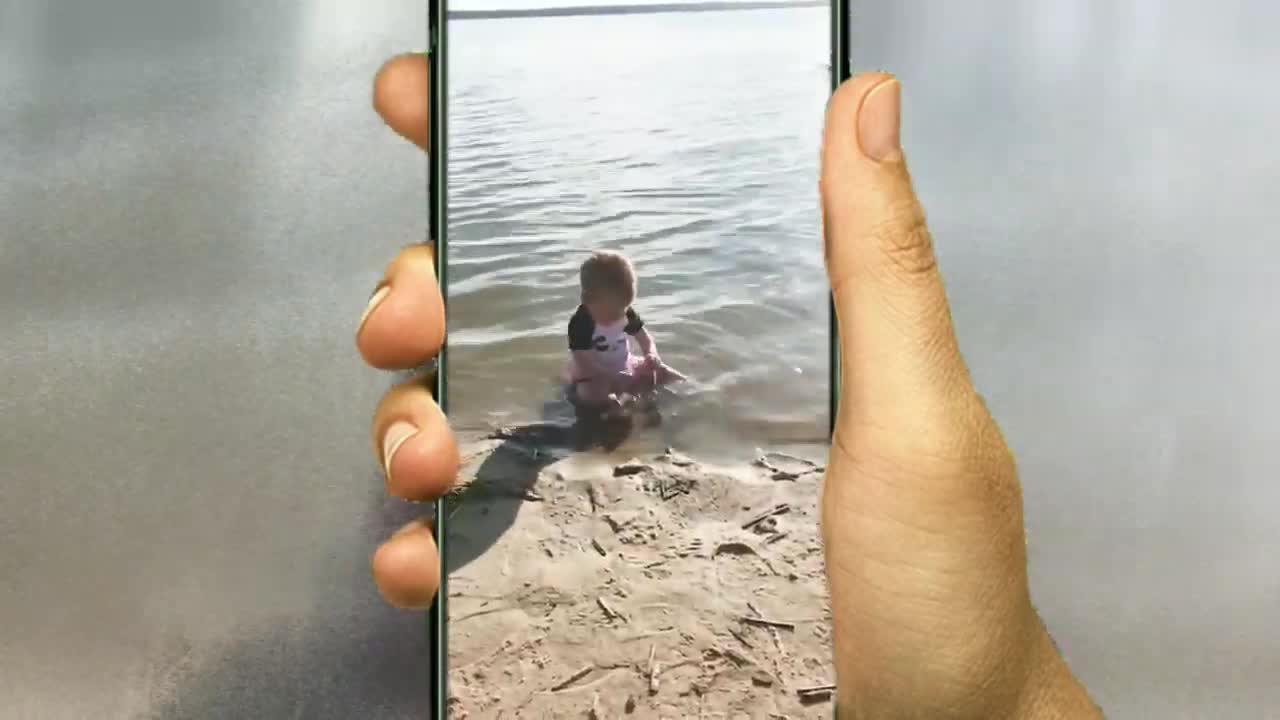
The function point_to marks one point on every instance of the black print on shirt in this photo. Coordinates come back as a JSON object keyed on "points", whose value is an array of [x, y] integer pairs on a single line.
{"points": [[582, 330]]}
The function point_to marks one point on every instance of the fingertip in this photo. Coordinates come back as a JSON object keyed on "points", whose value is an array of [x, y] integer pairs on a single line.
{"points": [[413, 443], [425, 465], [404, 324], [401, 96], [404, 331], [842, 108], [406, 568]]}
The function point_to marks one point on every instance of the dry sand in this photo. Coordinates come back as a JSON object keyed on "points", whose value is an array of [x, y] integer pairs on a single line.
{"points": [[660, 587]]}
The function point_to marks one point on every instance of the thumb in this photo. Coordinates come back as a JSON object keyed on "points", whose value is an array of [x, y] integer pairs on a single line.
{"points": [[900, 363]]}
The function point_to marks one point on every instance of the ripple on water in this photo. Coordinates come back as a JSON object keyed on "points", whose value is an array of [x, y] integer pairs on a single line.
{"points": [[708, 184]]}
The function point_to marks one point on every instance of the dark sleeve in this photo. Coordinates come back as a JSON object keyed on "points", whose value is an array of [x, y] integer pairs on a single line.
{"points": [[582, 330], [634, 323]]}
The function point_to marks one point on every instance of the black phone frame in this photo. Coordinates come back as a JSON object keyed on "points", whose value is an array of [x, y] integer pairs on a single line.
{"points": [[437, 189]]}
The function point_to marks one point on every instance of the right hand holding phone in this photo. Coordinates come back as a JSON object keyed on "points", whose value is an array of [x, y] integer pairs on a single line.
{"points": [[922, 510]]}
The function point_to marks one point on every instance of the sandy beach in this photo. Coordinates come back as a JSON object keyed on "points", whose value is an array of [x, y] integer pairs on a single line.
{"points": [[583, 585]]}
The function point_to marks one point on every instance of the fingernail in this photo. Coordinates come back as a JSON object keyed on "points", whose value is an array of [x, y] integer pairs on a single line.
{"points": [[879, 121], [396, 435], [374, 302]]}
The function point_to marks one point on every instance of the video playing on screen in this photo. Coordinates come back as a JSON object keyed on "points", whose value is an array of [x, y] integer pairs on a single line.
{"points": [[638, 362]]}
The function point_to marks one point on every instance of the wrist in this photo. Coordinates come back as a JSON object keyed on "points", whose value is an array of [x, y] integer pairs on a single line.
{"points": [[1052, 691], [1049, 691]]}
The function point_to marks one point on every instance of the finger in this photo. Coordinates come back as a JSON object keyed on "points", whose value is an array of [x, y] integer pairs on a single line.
{"points": [[413, 443], [401, 97], [899, 353], [406, 568], [403, 324]]}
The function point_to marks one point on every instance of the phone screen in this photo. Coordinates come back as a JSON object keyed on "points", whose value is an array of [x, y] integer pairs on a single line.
{"points": [[638, 360]]}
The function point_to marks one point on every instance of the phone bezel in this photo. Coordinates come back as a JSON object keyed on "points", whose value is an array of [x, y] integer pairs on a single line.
{"points": [[840, 61]]}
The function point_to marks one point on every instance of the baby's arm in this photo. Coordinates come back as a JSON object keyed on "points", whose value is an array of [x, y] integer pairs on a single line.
{"points": [[647, 346], [581, 345], [635, 327]]}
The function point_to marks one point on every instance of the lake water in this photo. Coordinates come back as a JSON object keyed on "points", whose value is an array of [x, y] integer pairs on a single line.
{"points": [[690, 143]]}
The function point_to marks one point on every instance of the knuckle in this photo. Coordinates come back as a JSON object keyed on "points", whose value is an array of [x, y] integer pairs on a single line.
{"points": [[904, 240]]}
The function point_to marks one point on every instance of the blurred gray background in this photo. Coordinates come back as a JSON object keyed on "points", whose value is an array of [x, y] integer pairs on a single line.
{"points": [[195, 200]]}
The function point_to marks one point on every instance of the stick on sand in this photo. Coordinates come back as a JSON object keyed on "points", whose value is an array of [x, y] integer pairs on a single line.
{"points": [[573, 678], [763, 622]]}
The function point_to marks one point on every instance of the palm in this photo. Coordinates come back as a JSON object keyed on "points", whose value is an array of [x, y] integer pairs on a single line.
{"points": [[929, 585]]}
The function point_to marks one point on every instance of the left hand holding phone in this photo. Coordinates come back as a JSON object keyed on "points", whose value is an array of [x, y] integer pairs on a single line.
{"points": [[403, 328]]}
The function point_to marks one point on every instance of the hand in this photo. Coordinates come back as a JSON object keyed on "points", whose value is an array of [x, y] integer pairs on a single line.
{"points": [[403, 328], [649, 364], [922, 509]]}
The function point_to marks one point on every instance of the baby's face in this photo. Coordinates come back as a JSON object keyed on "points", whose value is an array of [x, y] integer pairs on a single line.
{"points": [[607, 309]]}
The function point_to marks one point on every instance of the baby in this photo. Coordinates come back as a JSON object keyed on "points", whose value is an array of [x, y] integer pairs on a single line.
{"points": [[603, 372]]}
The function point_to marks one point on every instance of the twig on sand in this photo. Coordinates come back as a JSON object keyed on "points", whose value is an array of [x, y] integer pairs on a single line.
{"points": [[609, 612], [599, 548], [764, 622], [573, 678], [595, 713], [740, 659], [817, 692], [653, 670], [504, 649], [780, 509], [773, 631], [478, 613], [763, 460]]}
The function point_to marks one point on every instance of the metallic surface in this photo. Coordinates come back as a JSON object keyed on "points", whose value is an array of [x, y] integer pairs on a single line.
{"points": [[196, 200]]}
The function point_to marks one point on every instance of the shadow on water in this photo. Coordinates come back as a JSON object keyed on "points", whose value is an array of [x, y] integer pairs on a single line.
{"points": [[481, 512]]}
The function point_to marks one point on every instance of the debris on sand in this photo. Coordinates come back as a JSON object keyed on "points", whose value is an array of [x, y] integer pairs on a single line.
{"points": [[653, 670], [631, 467], [573, 678], [663, 547], [817, 693], [784, 467], [779, 509]]}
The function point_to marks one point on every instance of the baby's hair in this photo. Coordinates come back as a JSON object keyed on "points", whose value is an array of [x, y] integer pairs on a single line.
{"points": [[608, 272]]}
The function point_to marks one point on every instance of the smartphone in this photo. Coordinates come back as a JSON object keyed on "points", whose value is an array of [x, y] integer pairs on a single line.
{"points": [[641, 356]]}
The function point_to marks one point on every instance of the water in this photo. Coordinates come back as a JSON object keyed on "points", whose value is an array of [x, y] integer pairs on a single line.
{"points": [[690, 143]]}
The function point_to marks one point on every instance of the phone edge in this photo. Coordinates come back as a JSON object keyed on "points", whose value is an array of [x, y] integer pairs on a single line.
{"points": [[841, 70], [841, 63], [437, 214]]}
